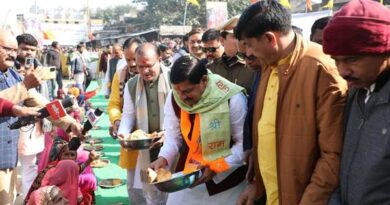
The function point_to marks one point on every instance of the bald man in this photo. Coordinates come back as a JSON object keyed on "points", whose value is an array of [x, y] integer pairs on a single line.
{"points": [[127, 158], [18, 91], [116, 62], [143, 108]]}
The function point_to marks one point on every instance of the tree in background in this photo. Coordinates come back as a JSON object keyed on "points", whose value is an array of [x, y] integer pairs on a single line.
{"points": [[171, 12], [111, 13]]}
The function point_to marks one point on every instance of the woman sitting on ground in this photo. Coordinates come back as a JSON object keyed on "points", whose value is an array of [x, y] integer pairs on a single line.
{"points": [[60, 152], [48, 195], [65, 177]]}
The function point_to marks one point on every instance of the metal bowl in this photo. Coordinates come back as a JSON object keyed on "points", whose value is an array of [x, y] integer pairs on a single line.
{"points": [[178, 182], [111, 183], [137, 144]]}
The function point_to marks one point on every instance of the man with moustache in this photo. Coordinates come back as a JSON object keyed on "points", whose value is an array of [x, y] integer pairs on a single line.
{"points": [[204, 118], [212, 46], [15, 89], [254, 64], [143, 104], [358, 38], [28, 48], [127, 158], [115, 63], [221, 45], [297, 136]]}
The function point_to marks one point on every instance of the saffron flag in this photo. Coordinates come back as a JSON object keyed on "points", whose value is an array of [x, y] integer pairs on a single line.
{"points": [[329, 4], [194, 2], [47, 35], [308, 5], [285, 3]]}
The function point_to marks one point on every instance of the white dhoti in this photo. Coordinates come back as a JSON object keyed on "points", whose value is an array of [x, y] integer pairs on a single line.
{"points": [[152, 195], [29, 171], [79, 78], [135, 194]]}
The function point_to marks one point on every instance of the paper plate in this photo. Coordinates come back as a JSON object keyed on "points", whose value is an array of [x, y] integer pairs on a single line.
{"points": [[101, 154], [100, 163], [94, 140], [95, 147], [96, 128], [111, 183]]}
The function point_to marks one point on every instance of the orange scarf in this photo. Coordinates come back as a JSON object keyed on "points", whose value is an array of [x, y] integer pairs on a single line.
{"points": [[194, 156]]}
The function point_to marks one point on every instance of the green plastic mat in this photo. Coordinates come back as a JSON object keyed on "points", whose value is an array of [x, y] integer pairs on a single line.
{"points": [[111, 148]]}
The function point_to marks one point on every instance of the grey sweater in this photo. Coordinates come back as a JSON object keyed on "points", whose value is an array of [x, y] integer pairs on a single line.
{"points": [[365, 163]]}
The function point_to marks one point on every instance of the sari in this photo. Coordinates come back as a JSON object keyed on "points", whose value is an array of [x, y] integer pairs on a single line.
{"points": [[87, 179], [65, 176], [47, 195], [53, 158], [62, 174]]}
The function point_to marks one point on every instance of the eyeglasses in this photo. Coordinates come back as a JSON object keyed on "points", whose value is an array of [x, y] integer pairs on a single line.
{"points": [[9, 50], [243, 56], [210, 49]]}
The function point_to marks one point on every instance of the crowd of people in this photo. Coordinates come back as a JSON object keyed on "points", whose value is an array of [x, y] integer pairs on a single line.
{"points": [[53, 168], [268, 116]]}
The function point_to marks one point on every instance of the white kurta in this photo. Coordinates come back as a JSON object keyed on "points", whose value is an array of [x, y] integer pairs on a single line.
{"points": [[174, 140], [128, 122], [126, 126], [121, 64]]}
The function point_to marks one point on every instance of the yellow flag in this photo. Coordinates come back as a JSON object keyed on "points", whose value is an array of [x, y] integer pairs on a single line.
{"points": [[285, 3], [194, 2], [329, 4]]}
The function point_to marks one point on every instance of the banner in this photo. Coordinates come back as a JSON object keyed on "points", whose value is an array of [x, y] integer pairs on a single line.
{"points": [[216, 13], [67, 34], [306, 20], [174, 30]]}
